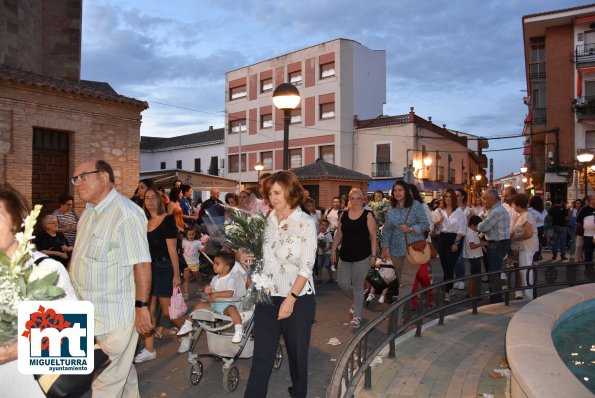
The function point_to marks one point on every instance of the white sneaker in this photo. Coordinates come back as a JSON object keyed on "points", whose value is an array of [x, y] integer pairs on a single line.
{"points": [[185, 329], [333, 268], [145, 356], [185, 344], [459, 285], [237, 336], [381, 300], [370, 297]]}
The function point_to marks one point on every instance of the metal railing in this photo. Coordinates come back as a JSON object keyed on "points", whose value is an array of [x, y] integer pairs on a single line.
{"points": [[539, 116], [585, 107], [584, 53], [355, 362], [381, 169]]}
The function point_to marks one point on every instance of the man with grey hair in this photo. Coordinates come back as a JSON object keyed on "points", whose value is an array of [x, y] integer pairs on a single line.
{"points": [[496, 228]]}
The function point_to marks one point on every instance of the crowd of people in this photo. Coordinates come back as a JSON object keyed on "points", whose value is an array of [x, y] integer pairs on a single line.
{"points": [[129, 256]]}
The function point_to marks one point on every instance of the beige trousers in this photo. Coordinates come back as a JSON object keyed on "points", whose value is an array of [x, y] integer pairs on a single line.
{"points": [[119, 378]]}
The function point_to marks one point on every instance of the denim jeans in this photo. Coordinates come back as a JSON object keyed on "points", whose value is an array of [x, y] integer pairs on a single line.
{"points": [[559, 244], [496, 252]]}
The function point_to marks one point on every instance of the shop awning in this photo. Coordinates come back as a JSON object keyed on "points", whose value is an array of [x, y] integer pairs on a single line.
{"points": [[383, 185], [554, 178]]}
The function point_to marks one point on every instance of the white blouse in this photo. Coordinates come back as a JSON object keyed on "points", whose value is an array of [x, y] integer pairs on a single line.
{"points": [[289, 250], [456, 223]]}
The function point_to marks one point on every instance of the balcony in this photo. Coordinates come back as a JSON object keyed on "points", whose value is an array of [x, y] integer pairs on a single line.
{"points": [[381, 169], [585, 108], [537, 70], [584, 53], [539, 116]]}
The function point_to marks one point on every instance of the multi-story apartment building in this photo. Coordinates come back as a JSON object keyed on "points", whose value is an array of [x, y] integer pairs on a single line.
{"points": [[337, 80], [560, 72], [389, 146]]}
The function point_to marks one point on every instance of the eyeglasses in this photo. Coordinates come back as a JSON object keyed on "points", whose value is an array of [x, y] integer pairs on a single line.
{"points": [[82, 177]]}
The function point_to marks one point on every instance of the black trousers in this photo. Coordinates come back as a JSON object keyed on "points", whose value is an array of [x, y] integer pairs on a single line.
{"points": [[448, 258], [296, 335]]}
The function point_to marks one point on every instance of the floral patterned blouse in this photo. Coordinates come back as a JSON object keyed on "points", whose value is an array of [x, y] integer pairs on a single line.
{"points": [[393, 238], [289, 250]]}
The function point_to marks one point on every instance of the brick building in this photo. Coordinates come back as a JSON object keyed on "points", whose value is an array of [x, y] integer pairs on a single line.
{"points": [[560, 73], [50, 119]]}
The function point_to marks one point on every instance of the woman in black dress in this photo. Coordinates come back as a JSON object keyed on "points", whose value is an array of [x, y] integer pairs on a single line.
{"points": [[162, 236]]}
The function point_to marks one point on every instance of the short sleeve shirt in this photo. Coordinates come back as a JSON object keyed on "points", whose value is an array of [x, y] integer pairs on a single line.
{"points": [[223, 283]]}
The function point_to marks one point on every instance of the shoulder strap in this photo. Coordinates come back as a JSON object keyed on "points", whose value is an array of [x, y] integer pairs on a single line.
{"points": [[40, 259]]}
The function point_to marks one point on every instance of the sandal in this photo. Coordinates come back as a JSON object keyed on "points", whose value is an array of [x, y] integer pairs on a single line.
{"points": [[355, 322]]}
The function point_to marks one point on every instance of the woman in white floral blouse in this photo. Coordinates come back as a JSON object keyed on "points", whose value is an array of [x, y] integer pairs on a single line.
{"points": [[289, 251]]}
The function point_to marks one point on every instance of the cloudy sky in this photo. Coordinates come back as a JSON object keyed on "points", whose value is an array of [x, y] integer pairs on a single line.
{"points": [[460, 61]]}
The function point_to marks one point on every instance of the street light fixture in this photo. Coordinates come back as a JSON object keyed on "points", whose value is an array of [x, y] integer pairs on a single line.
{"points": [[585, 156], [259, 167], [523, 169], [428, 161], [478, 177], [286, 97]]}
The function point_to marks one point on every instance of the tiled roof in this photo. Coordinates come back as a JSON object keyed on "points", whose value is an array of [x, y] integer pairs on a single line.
{"points": [[320, 170], [86, 88], [207, 137], [563, 10]]}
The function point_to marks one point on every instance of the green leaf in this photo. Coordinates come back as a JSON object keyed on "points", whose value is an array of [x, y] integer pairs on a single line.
{"points": [[47, 280], [4, 259]]}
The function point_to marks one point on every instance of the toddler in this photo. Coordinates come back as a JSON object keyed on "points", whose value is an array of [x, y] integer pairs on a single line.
{"points": [[191, 248], [222, 286], [472, 252], [387, 272], [323, 250]]}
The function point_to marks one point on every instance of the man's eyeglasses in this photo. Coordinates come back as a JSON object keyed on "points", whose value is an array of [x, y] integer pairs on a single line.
{"points": [[82, 177]]}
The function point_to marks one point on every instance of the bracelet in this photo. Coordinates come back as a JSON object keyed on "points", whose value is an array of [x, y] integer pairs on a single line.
{"points": [[140, 304], [295, 296]]}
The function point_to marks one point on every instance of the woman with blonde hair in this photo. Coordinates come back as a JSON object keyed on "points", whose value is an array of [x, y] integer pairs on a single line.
{"points": [[356, 234]]}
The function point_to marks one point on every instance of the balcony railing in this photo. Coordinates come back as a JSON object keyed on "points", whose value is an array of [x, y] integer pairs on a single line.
{"points": [[537, 70], [539, 116], [585, 108], [584, 53], [381, 169]]}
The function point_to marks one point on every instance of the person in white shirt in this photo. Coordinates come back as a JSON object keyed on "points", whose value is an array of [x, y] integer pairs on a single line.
{"points": [[333, 213], [453, 226], [538, 211], [460, 264], [473, 253], [191, 248], [525, 233]]}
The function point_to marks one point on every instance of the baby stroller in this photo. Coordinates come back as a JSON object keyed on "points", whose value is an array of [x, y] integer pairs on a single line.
{"points": [[220, 347]]}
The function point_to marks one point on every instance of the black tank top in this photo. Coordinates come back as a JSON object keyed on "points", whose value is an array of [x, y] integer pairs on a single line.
{"points": [[356, 244]]}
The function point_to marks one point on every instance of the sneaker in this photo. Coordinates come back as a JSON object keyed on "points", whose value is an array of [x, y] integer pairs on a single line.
{"points": [[237, 336], [355, 322], [518, 295], [370, 298], [186, 328], [185, 344], [333, 268], [145, 356], [381, 300], [459, 285]]}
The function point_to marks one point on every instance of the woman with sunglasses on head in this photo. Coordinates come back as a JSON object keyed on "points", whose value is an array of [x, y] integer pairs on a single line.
{"points": [[453, 227]]}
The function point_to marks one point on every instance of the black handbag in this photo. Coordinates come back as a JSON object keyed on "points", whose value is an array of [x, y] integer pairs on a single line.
{"points": [[376, 280], [69, 386]]}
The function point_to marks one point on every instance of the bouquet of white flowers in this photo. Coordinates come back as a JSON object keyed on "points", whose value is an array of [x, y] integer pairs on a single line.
{"points": [[379, 209], [15, 286]]}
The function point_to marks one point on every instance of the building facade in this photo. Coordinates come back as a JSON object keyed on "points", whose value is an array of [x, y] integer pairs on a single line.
{"points": [[560, 73], [50, 119], [337, 80]]}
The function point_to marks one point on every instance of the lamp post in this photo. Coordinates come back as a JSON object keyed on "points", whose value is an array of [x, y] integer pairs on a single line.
{"points": [[286, 97], [585, 156], [524, 169], [259, 167]]}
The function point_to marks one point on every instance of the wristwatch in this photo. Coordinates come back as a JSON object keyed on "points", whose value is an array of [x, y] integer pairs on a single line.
{"points": [[140, 304], [295, 296]]}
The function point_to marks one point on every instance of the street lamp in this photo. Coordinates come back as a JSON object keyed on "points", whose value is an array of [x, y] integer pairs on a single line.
{"points": [[259, 167], [428, 161], [523, 169], [585, 156], [478, 177], [286, 97]]}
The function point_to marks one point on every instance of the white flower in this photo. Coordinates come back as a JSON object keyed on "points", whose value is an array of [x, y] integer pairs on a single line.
{"points": [[260, 281]]}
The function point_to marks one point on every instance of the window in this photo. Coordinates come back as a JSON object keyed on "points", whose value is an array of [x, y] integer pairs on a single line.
{"points": [[382, 168], [296, 115], [327, 153], [238, 92], [197, 165], [537, 66], [327, 111], [266, 158], [234, 165], [327, 70], [162, 166], [237, 126], [178, 164], [266, 85], [266, 121], [295, 158], [295, 78], [213, 169], [440, 173]]}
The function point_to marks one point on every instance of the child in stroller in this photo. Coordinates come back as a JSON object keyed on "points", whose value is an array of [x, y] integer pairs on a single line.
{"points": [[388, 275], [222, 285]]}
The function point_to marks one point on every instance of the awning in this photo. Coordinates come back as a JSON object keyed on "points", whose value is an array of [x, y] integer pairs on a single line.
{"points": [[383, 185], [554, 178], [422, 185], [428, 185]]}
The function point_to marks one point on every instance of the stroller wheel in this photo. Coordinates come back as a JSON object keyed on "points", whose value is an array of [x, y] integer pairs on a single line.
{"points": [[278, 358], [231, 378], [195, 373]]}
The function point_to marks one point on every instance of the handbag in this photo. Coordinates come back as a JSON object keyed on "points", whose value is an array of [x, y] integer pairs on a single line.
{"points": [[56, 385], [177, 305], [376, 280], [418, 252]]}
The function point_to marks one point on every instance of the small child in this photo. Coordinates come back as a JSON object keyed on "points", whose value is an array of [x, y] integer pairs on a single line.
{"points": [[191, 247], [472, 252], [387, 272], [222, 286], [323, 251]]}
